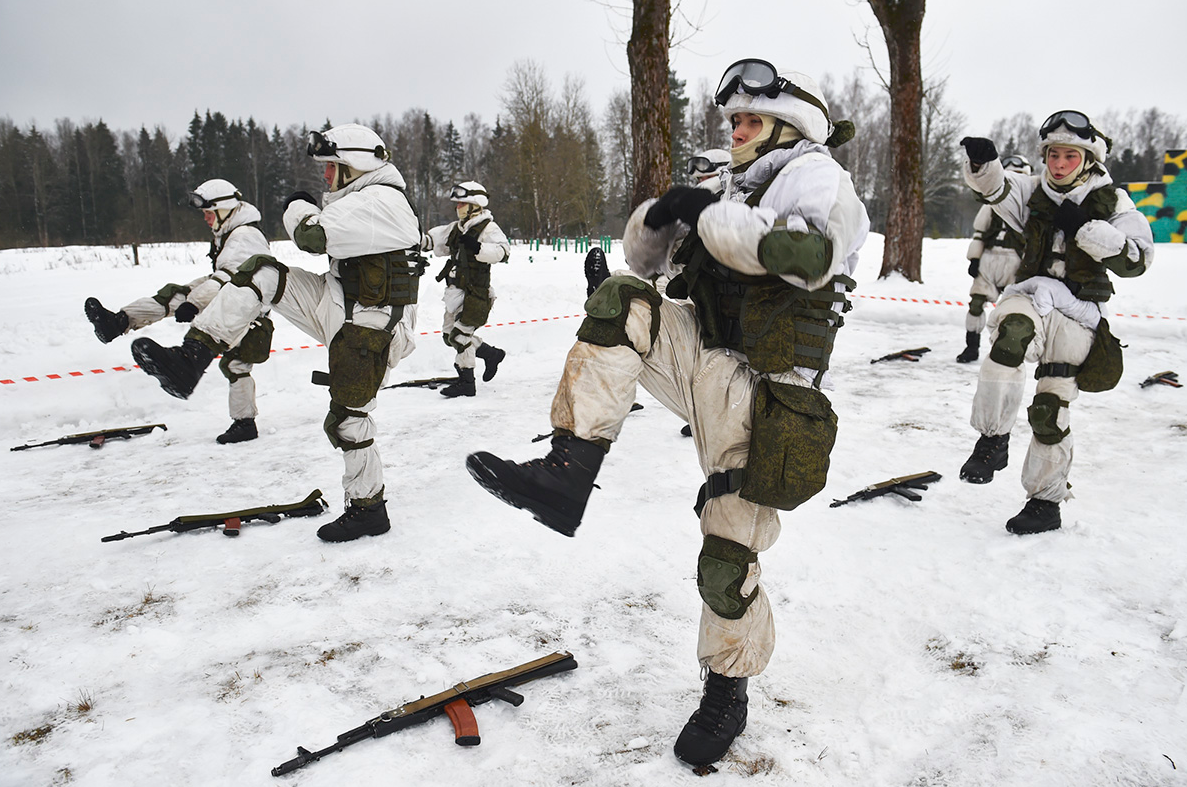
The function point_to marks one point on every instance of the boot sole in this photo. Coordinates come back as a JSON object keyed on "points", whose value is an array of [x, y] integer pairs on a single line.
{"points": [[94, 311], [487, 476], [141, 349]]}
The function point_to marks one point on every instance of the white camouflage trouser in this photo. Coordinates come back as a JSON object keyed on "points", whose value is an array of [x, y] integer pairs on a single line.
{"points": [[453, 298], [313, 303], [999, 267], [1058, 339], [713, 391], [241, 395]]}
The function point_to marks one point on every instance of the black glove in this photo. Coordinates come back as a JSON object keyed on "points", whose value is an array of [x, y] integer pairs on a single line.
{"points": [[1070, 217], [979, 149], [186, 312], [298, 196], [470, 243], [974, 266], [679, 202]]}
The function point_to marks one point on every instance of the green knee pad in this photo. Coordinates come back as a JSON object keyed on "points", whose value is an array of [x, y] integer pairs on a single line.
{"points": [[1014, 335], [977, 305], [609, 306], [1043, 415], [459, 340], [337, 415], [721, 570]]}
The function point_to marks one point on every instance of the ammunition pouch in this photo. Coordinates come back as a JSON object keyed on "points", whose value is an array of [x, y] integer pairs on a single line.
{"points": [[609, 307], [168, 293], [1043, 415], [722, 568], [792, 434], [784, 326], [1014, 335], [256, 345], [475, 309], [337, 415], [1101, 370], [378, 280], [243, 276], [358, 363]]}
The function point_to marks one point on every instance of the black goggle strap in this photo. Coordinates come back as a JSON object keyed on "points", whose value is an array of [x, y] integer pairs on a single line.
{"points": [[320, 146], [460, 191], [198, 201]]}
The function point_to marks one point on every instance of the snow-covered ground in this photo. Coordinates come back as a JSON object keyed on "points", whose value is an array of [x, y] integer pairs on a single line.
{"points": [[920, 644]]}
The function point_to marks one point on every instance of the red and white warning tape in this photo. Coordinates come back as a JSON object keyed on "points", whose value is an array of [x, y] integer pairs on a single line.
{"points": [[69, 375], [965, 303]]}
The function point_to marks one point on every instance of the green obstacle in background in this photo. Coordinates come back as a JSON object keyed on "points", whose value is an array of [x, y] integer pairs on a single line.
{"points": [[1165, 203]]}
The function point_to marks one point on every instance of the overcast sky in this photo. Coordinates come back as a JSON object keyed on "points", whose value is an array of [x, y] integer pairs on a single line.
{"points": [[154, 62]]}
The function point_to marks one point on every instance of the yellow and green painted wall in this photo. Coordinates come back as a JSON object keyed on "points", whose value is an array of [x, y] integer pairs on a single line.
{"points": [[1165, 203]]}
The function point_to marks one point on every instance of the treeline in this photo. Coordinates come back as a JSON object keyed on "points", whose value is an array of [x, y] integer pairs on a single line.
{"points": [[551, 166]]}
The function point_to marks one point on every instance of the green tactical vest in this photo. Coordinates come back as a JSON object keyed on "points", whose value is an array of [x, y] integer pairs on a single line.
{"points": [[390, 278], [1087, 278], [463, 270], [1000, 235], [777, 325], [216, 248]]}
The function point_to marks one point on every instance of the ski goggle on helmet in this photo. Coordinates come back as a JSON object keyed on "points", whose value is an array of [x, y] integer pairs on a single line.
{"points": [[1075, 122], [1015, 161], [759, 78], [196, 200], [320, 146]]}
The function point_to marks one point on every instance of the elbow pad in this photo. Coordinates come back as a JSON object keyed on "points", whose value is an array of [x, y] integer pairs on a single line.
{"points": [[805, 255]]}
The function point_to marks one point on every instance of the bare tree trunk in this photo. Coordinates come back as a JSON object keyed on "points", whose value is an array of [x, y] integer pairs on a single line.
{"points": [[901, 21], [651, 130]]}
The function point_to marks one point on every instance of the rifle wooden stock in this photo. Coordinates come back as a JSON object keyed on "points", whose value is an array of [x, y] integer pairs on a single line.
{"points": [[454, 702]]}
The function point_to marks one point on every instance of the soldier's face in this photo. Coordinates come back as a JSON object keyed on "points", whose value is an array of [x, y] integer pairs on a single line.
{"points": [[330, 173], [747, 126], [210, 218], [1062, 161]]}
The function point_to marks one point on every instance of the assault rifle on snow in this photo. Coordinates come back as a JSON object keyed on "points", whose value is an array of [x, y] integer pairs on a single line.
{"points": [[903, 355], [454, 703], [428, 382], [1166, 378], [903, 487], [96, 439], [310, 506]]}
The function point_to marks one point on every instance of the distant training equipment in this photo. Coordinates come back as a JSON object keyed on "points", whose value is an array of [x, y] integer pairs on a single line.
{"points": [[310, 506], [1165, 378], [903, 355], [96, 439], [903, 487], [454, 702]]}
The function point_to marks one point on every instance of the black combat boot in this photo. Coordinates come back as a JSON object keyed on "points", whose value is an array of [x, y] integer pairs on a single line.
{"points": [[1037, 516], [108, 325], [554, 489], [972, 349], [491, 358], [991, 453], [177, 369], [240, 431], [712, 727], [357, 520], [464, 385]]}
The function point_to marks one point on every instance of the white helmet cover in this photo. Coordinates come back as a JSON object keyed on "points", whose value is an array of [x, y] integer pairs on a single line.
{"points": [[808, 118], [216, 194], [1064, 137], [717, 157], [358, 147], [1016, 162], [471, 191]]}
